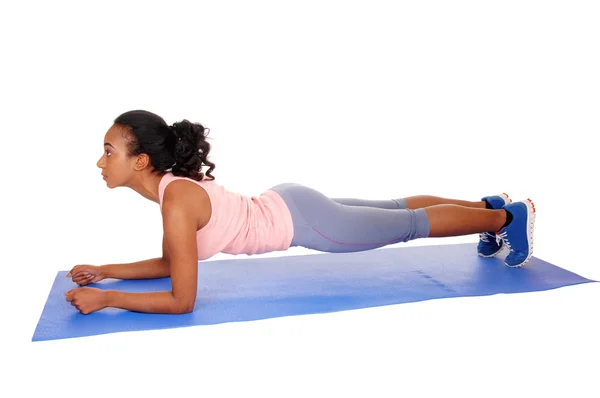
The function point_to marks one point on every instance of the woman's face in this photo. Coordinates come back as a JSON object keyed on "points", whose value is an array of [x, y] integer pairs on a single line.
{"points": [[117, 167]]}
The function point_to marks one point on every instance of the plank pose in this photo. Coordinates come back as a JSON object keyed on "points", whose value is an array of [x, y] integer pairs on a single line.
{"points": [[202, 218]]}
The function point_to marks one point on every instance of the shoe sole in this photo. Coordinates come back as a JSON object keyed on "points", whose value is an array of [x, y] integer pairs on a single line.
{"points": [[507, 200], [530, 228]]}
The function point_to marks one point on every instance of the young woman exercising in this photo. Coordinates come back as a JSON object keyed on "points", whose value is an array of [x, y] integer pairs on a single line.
{"points": [[202, 218]]}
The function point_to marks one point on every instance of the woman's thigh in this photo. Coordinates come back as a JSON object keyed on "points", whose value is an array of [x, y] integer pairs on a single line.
{"points": [[380, 203], [321, 223]]}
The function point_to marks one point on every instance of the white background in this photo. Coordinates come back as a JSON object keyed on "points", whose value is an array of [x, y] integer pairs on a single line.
{"points": [[366, 99]]}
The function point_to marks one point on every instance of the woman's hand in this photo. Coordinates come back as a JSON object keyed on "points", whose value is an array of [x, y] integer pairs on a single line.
{"points": [[84, 274], [87, 299]]}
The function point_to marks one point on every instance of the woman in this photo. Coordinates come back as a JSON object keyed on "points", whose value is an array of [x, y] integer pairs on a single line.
{"points": [[201, 218]]}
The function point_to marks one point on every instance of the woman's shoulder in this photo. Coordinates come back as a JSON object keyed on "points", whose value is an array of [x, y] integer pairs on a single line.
{"points": [[172, 182], [186, 195], [185, 189]]}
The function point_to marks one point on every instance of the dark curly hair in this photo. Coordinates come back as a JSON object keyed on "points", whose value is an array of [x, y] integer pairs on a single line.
{"points": [[181, 149]]}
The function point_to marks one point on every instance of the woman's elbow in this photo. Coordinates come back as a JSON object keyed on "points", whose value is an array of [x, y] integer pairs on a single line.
{"points": [[188, 309], [183, 307]]}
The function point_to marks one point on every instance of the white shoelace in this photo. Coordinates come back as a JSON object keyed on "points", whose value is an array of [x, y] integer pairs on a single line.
{"points": [[484, 236], [502, 236]]}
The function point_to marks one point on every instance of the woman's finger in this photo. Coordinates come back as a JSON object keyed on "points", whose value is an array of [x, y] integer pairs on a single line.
{"points": [[87, 275], [76, 269], [80, 274], [83, 275], [81, 280]]}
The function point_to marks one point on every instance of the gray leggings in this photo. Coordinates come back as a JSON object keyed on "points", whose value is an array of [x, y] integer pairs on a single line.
{"points": [[349, 225]]}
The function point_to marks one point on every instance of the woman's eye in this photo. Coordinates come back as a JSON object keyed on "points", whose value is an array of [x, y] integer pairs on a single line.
{"points": [[107, 153]]}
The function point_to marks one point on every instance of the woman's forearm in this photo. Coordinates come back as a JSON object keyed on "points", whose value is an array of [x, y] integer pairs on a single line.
{"points": [[145, 269], [154, 302]]}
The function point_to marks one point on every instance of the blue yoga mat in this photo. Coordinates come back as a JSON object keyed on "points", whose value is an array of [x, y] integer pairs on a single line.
{"points": [[251, 289]]}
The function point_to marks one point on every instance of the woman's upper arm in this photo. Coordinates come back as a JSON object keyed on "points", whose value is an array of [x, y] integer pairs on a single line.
{"points": [[165, 248], [180, 227]]}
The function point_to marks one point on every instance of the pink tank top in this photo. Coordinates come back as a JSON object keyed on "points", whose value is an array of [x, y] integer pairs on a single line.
{"points": [[240, 224]]}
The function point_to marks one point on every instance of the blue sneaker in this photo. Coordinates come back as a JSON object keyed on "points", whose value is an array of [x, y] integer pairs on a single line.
{"points": [[488, 245], [518, 235]]}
